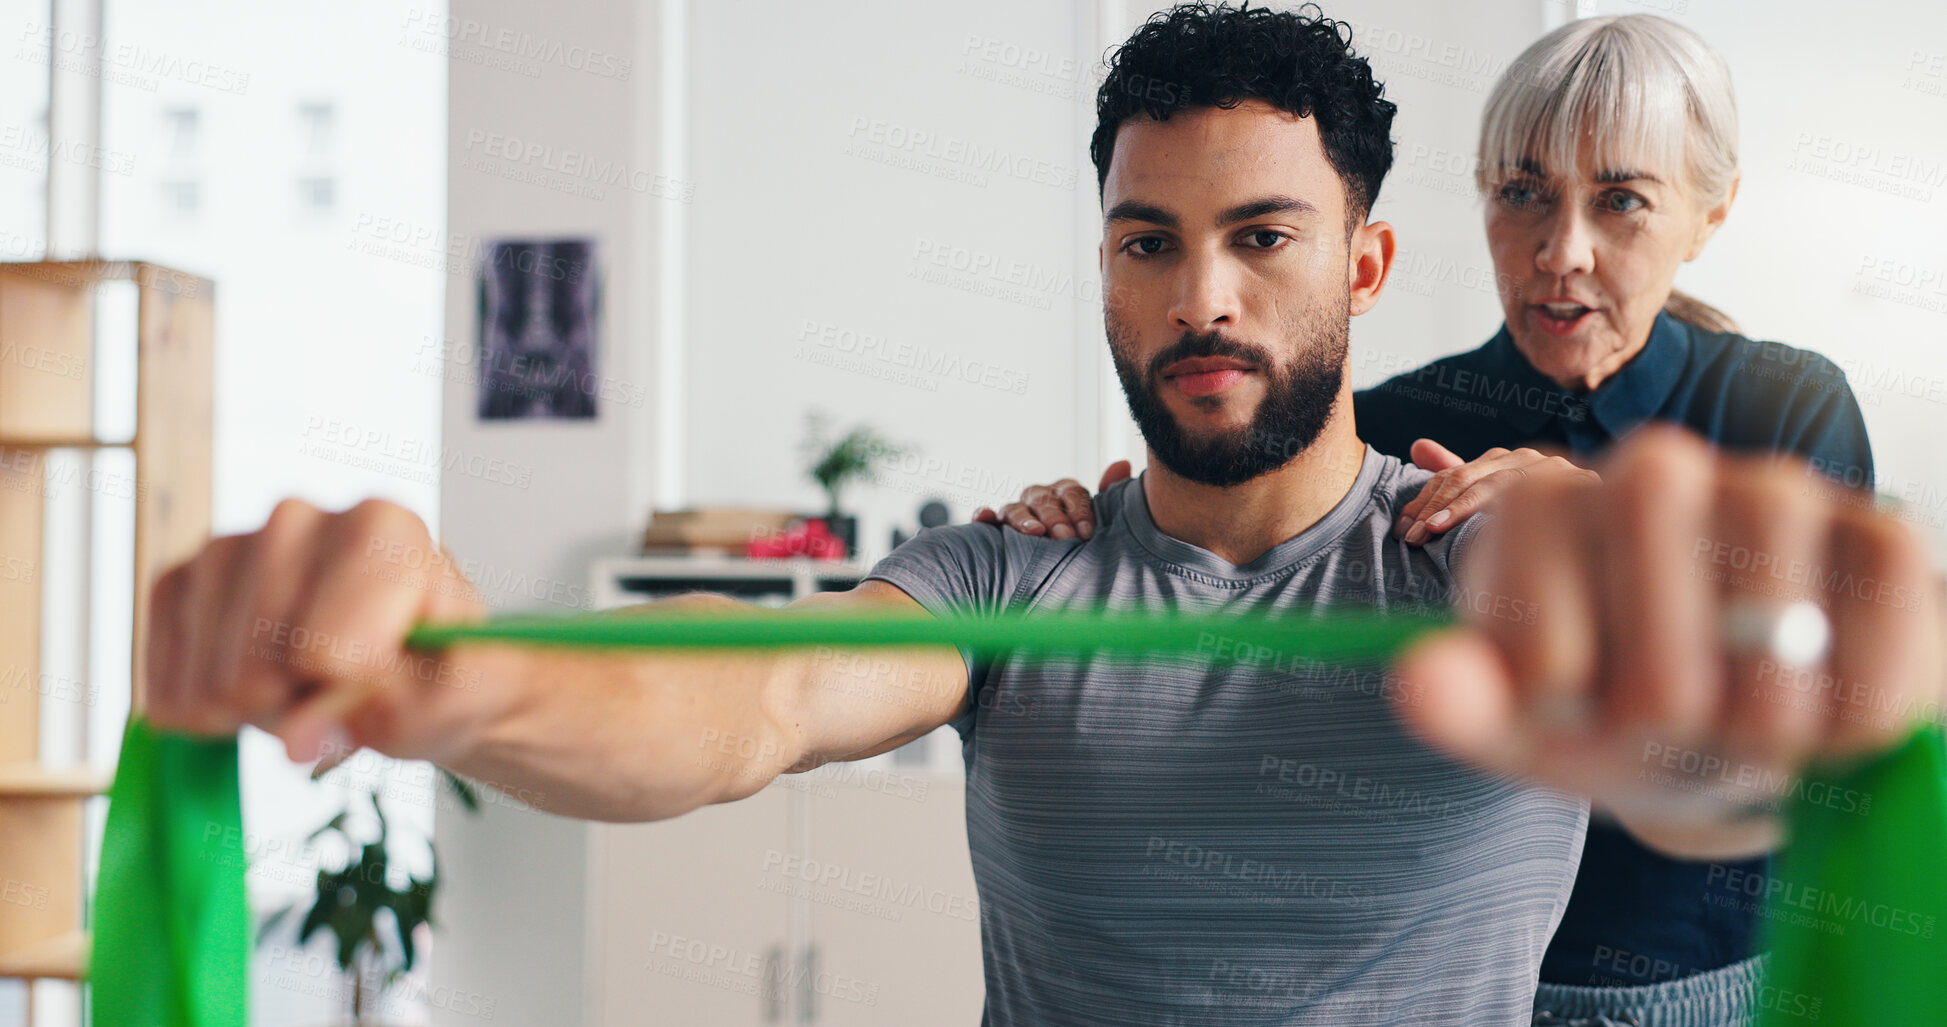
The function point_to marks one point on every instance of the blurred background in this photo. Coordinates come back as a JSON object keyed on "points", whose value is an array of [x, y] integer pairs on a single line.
{"points": [[875, 212]]}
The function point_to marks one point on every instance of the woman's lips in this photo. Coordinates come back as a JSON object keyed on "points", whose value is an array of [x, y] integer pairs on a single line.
{"points": [[1207, 383], [1555, 324]]}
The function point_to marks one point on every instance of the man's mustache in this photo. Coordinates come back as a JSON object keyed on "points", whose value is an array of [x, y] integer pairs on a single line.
{"points": [[1206, 344]]}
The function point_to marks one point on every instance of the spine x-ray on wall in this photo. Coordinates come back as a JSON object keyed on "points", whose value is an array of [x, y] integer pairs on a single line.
{"points": [[539, 310]]}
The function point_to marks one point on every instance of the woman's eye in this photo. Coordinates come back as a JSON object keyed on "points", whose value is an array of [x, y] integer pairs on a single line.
{"points": [[1518, 194], [1265, 238], [1618, 201]]}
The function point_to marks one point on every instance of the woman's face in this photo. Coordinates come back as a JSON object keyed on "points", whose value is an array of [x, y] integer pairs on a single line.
{"points": [[1584, 260]]}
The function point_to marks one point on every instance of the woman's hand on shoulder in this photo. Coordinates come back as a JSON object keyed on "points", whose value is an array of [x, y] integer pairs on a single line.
{"points": [[1459, 489], [1062, 510]]}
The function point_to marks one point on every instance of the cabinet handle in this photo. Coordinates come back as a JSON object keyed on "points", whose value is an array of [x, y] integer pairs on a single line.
{"points": [[774, 984]]}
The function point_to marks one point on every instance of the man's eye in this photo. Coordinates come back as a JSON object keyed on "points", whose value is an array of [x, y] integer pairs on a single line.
{"points": [[1265, 238], [1621, 201], [1146, 246]]}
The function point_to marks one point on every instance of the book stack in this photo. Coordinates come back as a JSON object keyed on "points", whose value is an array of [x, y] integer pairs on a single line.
{"points": [[711, 531]]}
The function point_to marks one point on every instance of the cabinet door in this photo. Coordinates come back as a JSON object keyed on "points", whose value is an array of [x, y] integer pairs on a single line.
{"points": [[686, 926], [895, 923]]}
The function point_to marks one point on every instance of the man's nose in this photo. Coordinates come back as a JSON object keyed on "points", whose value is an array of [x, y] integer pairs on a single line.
{"points": [[1206, 295]]}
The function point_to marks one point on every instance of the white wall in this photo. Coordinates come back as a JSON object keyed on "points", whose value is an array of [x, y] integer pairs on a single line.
{"points": [[813, 238], [542, 76]]}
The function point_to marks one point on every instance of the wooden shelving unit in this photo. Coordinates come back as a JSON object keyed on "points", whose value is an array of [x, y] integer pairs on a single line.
{"points": [[52, 342]]}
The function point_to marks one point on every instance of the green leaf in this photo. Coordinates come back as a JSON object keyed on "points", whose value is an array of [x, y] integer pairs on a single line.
{"points": [[405, 937], [319, 913]]}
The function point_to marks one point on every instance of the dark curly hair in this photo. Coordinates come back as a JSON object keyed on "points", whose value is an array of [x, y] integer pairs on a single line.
{"points": [[1196, 55]]}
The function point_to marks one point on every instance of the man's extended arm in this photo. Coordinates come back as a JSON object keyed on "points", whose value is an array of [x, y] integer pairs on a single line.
{"points": [[297, 628]]}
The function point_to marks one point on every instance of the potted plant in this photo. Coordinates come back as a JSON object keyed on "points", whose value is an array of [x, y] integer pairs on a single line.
{"points": [[370, 914], [836, 461]]}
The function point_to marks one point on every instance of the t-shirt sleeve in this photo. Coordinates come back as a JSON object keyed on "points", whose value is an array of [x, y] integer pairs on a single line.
{"points": [[956, 570], [1449, 551]]}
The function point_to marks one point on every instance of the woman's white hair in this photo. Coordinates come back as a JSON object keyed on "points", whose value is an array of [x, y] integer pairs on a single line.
{"points": [[1649, 94]]}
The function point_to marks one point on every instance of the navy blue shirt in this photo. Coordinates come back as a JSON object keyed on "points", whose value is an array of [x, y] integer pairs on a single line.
{"points": [[1637, 916]]}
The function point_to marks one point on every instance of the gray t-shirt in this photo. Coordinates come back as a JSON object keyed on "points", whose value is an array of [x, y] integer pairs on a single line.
{"points": [[1183, 841]]}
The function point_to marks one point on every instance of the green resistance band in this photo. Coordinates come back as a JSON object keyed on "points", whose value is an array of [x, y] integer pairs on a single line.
{"points": [[172, 929], [1856, 906], [178, 797], [1339, 638]]}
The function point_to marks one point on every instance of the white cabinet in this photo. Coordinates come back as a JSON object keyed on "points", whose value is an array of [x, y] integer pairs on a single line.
{"points": [[843, 896], [680, 931]]}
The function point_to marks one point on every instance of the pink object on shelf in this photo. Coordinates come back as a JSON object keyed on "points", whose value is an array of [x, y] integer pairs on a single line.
{"points": [[806, 538]]}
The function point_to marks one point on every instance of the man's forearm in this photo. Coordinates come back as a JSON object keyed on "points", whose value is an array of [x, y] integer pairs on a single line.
{"points": [[630, 737]]}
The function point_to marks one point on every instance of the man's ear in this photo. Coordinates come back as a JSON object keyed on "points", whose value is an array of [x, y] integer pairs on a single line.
{"points": [[1713, 219], [1368, 264]]}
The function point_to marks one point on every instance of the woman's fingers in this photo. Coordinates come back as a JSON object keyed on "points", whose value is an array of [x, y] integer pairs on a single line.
{"points": [[1491, 487], [1063, 510], [1020, 518], [1078, 505], [1440, 490], [1059, 511], [1455, 494], [1429, 455], [1115, 472]]}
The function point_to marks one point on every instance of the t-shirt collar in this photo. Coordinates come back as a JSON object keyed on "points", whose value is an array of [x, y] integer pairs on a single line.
{"points": [[1351, 510]]}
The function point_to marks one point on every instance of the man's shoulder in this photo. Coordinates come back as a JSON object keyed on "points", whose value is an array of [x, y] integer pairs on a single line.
{"points": [[967, 567], [1396, 485]]}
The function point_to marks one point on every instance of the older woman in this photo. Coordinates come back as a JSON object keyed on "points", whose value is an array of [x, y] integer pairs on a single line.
{"points": [[1608, 158]]}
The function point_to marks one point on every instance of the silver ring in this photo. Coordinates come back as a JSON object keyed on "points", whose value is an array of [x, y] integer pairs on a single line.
{"points": [[1796, 634]]}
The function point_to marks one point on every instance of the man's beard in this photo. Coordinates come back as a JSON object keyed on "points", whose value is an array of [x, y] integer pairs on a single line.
{"points": [[1297, 403]]}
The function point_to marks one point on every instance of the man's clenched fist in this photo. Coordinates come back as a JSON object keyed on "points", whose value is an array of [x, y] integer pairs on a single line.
{"points": [[1629, 685], [298, 627]]}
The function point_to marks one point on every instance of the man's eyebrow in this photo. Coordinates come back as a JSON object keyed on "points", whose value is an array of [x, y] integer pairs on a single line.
{"points": [[1135, 210], [1266, 207]]}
